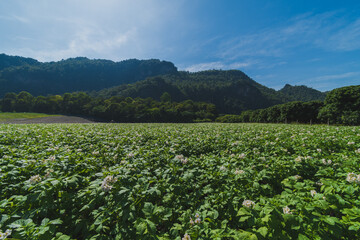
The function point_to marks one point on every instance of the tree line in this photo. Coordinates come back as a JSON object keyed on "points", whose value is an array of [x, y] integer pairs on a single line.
{"points": [[299, 112], [117, 109], [341, 106]]}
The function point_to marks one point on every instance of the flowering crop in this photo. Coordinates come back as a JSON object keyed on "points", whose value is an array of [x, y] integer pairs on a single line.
{"points": [[179, 181]]}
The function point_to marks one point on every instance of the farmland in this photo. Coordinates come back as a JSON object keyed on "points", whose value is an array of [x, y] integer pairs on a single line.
{"points": [[12, 115], [179, 181]]}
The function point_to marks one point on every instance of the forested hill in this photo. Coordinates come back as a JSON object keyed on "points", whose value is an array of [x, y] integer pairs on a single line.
{"points": [[75, 74], [12, 61], [302, 93], [231, 91]]}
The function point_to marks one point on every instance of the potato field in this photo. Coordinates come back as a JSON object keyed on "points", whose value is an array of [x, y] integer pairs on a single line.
{"points": [[179, 181]]}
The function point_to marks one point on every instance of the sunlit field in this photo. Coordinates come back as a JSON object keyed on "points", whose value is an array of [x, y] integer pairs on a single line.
{"points": [[9, 116], [179, 181]]}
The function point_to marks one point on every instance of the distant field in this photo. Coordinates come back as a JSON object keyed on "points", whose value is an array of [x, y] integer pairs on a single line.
{"points": [[9, 116], [36, 118]]}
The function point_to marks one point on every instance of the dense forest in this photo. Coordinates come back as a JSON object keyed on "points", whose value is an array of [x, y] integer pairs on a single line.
{"points": [[341, 106], [117, 109], [155, 91], [75, 74], [231, 91], [302, 93]]}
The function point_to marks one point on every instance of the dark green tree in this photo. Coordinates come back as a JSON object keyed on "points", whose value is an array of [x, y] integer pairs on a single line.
{"points": [[23, 102], [8, 102], [341, 105], [165, 97]]}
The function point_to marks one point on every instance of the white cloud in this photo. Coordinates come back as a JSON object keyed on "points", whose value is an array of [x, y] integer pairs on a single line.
{"points": [[94, 28], [347, 38], [218, 65], [205, 66], [334, 76], [327, 31], [84, 43]]}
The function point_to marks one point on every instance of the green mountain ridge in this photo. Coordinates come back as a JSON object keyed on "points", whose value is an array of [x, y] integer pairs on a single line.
{"points": [[75, 74], [232, 91], [15, 61]]}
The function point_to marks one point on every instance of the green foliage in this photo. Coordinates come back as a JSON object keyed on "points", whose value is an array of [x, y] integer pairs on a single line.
{"points": [[14, 61], [342, 105], [165, 97], [299, 112], [74, 74], [118, 109], [302, 93], [7, 115], [162, 181], [230, 91]]}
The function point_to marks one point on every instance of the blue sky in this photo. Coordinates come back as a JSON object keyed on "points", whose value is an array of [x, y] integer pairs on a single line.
{"points": [[314, 43]]}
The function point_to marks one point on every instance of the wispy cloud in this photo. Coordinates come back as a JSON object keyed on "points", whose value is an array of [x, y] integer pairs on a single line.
{"points": [[205, 66], [14, 18], [346, 39], [84, 43], [219, 65], [334, 77], [100, 29], [20, 19], [328, 82], [327, 31]]}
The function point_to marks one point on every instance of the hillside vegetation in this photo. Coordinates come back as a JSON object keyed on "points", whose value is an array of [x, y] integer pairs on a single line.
{"points": [[302, 93], [231, 91], [75, 74], [154, 91]]}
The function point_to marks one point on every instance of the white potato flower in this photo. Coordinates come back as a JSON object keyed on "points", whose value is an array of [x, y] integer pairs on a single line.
{"points": [[248, 203], [186, 237], [35, 179], [286, 210]]}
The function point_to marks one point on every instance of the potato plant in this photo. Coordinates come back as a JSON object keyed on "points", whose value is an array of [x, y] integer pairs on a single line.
{"points": [[179, 181]]}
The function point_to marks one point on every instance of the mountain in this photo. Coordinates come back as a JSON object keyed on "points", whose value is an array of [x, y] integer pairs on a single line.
{"points": [[302, 93], [12, 61], [74, 74], [231, 91]]}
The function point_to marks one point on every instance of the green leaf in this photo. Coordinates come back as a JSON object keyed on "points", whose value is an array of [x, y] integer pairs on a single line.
{"points": [[45, 221], [302, 237], [355, 227], [56, 222], [148, 209], [330, 220], [216, 214], [263, 231], [244, 218], [151, 226], [243, 211], [61, 236]]}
